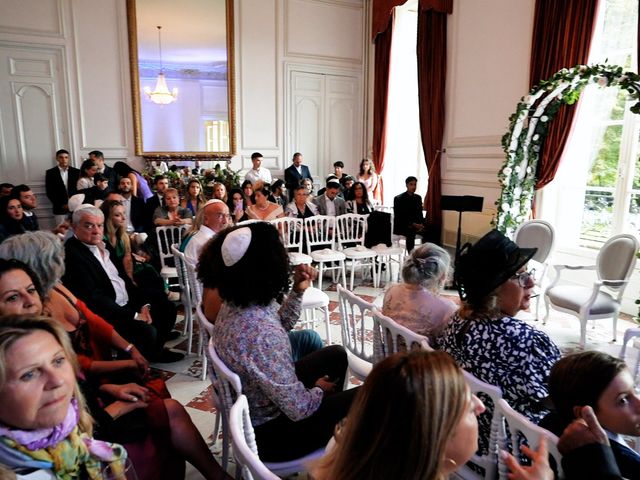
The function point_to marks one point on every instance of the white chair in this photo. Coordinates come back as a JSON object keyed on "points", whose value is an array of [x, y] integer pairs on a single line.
{"points": [[320, 231], [537, 234], [390, 337], [205, 331], [399, 240], [351, 231], [315, 299], [488, 461], [629, 334], [167, 236], [387, 255], [291, 232], [356, 318], [516, 426], [614, 266], [185, 293], [229, 388]]}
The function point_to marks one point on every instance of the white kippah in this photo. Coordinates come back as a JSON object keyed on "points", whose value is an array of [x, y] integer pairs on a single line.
{"points": [[235, 246], [212, 201], [75, 201]]}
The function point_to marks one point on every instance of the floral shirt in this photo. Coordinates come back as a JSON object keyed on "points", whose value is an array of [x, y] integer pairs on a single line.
{"points": [[253, 343], [505, 352]]}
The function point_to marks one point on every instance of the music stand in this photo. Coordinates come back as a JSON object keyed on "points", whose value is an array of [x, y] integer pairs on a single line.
{"points": [[461, 203]]}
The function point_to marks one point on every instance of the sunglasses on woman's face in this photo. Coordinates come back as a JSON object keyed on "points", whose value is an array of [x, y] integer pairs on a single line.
{"points": [[523, 277]]}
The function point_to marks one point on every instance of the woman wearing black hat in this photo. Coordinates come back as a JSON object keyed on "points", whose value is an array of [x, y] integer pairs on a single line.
{"points": [[485, 339]]}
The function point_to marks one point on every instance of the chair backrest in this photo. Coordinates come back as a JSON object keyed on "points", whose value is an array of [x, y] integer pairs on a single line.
{"points": [[167, 236], [226, 382], [616, 258], [183, 276], [291, 232], [244, 443], [194, 284], [517, 427], [536, 234], [248, 222], [204, 322], [351, 229], [357, 324], [490, 395], [390, 337], [320, 231]]}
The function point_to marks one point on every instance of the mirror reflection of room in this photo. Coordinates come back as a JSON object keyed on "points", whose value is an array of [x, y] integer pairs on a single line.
{"points": [[190, 51]]}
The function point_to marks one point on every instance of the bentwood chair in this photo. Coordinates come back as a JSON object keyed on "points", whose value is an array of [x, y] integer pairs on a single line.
{"points": [[320, 231], [185, 293], [291, 232], [351, 232], [390, 337], [167, 236]]}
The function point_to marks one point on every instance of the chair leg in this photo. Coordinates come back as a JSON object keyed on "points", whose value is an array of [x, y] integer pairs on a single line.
{"points": [[320, 273], [583, 333], [327, 325], [546, 315], [353, 271], [615, 327]]}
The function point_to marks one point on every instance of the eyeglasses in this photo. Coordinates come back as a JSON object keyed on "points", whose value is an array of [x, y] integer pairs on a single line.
{"points": [[523, 278], [222, 215]]}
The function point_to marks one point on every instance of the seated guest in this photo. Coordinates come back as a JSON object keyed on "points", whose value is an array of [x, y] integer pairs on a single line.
{"points": [[5, 189], [171, 214], [96, 276], [139, 185], [407, 213], [358, 200], [348, 183], [294, 406], [88, 169], [156, 200], [277, 193], [262, 208], [45, 428], [329, 203], [301, 207], [308, 184], [416, 303], [194, 197], [605, 384], [220, 191], [415, 408], [98, 192], [484, 337], [29, 203], [134, 206], [105, 170], [247, 190], [237, 205], [11, 215], [215, 219]]}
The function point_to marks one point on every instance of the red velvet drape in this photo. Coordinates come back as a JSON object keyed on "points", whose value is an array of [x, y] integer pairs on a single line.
{"points": [[562, 34], [432, 73]]}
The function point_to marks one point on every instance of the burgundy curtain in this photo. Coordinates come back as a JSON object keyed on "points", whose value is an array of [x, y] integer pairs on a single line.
{"points": [[562, 33], [432, 73]]}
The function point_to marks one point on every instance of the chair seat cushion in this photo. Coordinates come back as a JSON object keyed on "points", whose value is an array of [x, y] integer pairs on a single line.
{"points": [[314, 297], [359, 252], [298, 258], [327, 255], [382, 249], [169, 272], [572, 297]]}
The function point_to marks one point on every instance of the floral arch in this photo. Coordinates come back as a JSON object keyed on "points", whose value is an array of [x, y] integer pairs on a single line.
{"points": [[528, 128]]}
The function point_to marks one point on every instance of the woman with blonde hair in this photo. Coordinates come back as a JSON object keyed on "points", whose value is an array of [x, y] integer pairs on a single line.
{"points": [[436, 432], [220, 191]]}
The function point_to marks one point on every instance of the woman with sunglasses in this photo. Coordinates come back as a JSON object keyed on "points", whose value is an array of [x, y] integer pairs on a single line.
{"points": [[484, 337]]}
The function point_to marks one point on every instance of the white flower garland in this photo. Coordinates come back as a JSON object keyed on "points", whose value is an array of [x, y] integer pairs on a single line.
{"points": [[528, 128]]}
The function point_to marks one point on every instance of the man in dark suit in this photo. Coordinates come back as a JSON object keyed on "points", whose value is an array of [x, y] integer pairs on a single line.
{"points": [[330, 203], [407, 210], [160, 183], [109, 173], [94, 273], [134, 206], [60, 184], [29, 203], [295, 173]]}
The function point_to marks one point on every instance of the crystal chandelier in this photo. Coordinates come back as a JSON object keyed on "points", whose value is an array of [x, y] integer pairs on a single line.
{"points": [[161, 94]]}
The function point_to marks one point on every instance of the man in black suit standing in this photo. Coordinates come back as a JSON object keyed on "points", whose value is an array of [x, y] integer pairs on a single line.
{"points": [[60, 184], [295, 173], [94, 273], [407, 210], [109, 173]]}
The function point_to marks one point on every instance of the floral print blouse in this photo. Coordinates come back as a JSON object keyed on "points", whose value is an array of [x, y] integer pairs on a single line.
{"points": [[253, 342]]}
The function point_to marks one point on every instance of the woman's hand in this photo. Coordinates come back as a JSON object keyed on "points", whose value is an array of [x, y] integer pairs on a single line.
{"points": [[539, 469], [129, 392], [119, 408], [303, 277], [140, 363], [326, 385]]}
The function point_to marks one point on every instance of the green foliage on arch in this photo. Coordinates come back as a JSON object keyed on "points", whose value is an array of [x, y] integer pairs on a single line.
{"points": [[529, 125]]}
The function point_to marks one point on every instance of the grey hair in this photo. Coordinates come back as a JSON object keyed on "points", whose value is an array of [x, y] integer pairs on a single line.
{"points": [[42, 251], [78, 213], [427, 266]]}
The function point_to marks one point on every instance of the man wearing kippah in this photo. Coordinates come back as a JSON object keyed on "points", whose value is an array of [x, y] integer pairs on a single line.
{"points": [[216, 219]]}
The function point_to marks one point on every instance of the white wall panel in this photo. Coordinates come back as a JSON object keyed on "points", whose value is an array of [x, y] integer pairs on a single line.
{"points": [[32, 17]]}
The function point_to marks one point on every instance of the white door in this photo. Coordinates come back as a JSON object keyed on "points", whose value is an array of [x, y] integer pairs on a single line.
{"points": [[325, 121]]}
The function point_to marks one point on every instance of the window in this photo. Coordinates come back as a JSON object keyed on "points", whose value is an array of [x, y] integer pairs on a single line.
{"points": [[597, 192], [216, 135]]}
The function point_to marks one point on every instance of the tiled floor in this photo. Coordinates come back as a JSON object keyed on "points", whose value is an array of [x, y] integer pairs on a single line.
{"points": [[183, 378]]}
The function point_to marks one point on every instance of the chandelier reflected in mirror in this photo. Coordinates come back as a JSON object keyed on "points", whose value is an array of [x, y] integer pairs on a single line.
{"points": [[161, 94]]}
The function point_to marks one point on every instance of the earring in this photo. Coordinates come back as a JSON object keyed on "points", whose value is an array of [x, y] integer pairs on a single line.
{"points": [[452, 462]]}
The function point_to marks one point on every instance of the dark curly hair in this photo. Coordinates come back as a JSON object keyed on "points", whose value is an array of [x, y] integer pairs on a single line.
{"points": [[259, 277]]}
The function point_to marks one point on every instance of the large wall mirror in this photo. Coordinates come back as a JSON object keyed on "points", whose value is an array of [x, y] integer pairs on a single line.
{"points": [[191, 56]]}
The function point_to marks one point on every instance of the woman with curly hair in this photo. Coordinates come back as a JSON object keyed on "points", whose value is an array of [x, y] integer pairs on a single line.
{"points": [[368, 176], [294, 405]]}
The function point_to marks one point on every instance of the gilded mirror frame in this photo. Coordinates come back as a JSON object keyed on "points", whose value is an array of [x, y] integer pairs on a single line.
{"points": [[136, 97]]}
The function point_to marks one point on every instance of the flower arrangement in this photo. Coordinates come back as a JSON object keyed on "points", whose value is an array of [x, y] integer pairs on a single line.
{"points": [[528, 127], [179, 179]]}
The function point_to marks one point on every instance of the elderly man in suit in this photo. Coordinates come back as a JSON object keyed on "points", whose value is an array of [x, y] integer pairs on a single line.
{"points": [[330, 203], [295, 173], [93, 272], [60, 184]]}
